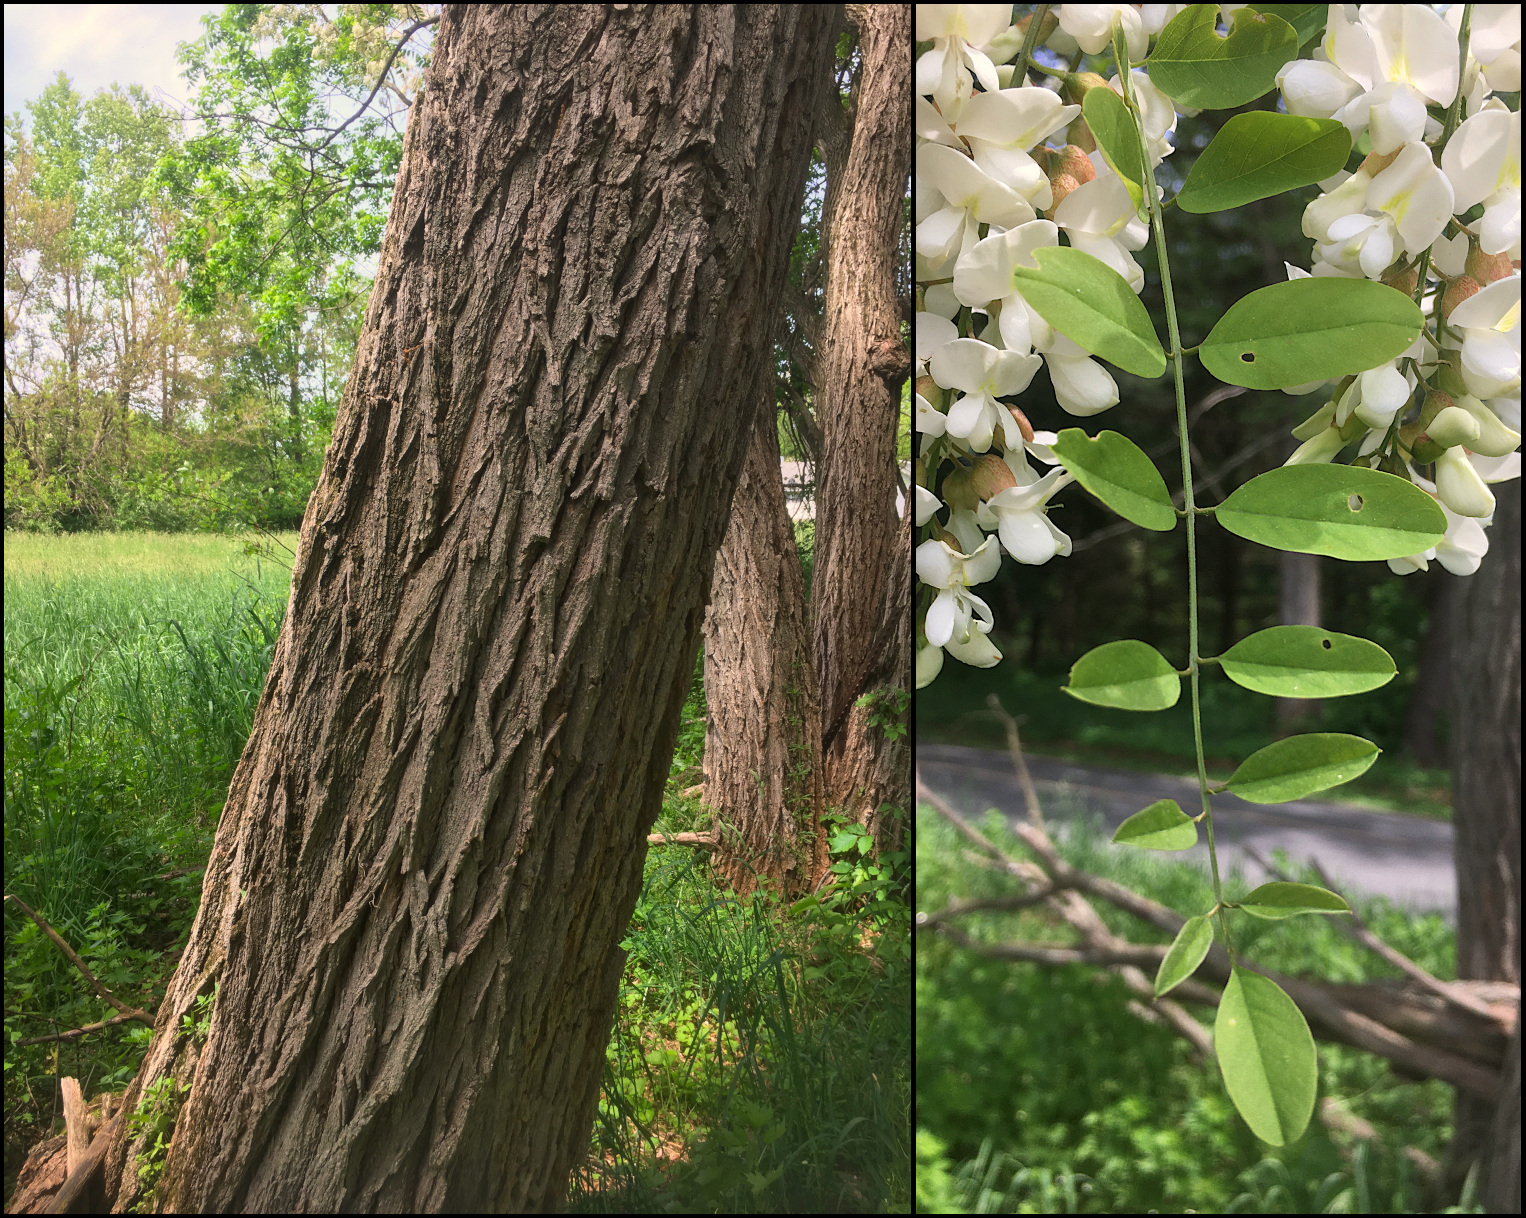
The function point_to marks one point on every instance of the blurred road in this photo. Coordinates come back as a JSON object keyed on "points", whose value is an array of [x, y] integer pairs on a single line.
{"points": [[1405, 858]]}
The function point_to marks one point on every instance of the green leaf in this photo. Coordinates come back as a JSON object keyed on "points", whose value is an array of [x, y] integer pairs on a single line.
{"points": [[1117, 137], [1307, 662], [1301, 765], [1309, 330], [1284, 900], [1161, 826], [1195, 67], [1344, 511], [1266, 1052], [1115, 469], [1185, 954], [1093, 305], [1259, 154], [1307, 20], [1128, 674]]}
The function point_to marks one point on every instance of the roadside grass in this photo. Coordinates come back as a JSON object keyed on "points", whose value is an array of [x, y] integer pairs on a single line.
{"points": [[1038, 1091], [761, 1058], [1236, 722]]}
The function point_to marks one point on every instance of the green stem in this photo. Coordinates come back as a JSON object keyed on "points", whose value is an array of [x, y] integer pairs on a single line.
{"points": [[1152, 201], [1030, 44]]}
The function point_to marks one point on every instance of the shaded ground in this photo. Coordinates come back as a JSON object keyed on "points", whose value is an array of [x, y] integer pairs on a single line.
{"points": [[1407, 859]]}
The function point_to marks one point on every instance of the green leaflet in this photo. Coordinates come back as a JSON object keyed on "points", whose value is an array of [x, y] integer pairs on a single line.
{"points": [[1301, 765], [1266, 1053], [1195, 67], [1308, 330], [1344, 511], [1093, 305], [1128, 674], [1117, 471], [1185, 953], [1281, 899], [1258, 154], [1307, 662], [1161, 826]]}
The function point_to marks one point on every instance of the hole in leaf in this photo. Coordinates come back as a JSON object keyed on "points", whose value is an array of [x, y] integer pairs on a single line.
{"points": [[1355, 503], [1247, 357], [1325, 643]]}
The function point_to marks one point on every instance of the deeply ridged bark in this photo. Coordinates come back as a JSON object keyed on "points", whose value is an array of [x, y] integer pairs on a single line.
{"points": [[861, 560], [763, 733], [434, 839]]}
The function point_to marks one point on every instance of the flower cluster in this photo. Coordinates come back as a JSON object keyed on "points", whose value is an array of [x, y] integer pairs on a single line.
{"points": [[1005, 168]]}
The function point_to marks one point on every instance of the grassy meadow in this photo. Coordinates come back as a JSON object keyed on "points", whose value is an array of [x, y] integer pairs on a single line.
{"points": [[761, 1059]]}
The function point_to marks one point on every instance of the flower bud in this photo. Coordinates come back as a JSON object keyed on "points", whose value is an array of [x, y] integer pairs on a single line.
{"points": [[929, 389], [1449, 376], [1494, 438], [990, 476], [1459, 486], [1457, 291], [1487, 268], [1433, 405], [1319, 421], [1079, 84], [1351, 429], [1022, 423], [1068, 168], [959, 490], [1007, 45], [1453, 426], [1377, 162], [1402, 278]]}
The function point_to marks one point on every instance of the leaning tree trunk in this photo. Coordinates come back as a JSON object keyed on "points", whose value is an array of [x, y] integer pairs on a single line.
{"points": [[434, 839], [1486, 818], [863, 362], [763, 717]]}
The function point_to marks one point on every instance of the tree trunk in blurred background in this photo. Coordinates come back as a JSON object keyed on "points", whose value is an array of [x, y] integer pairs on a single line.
{"points": [[861, 581], [763, 714], [433, 842], [1298, 605], [1486, 819]]}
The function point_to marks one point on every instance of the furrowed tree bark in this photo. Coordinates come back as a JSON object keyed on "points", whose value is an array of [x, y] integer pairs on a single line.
{"points": [[1486, 818], [434, 839], [763, 715], [859, 559]]}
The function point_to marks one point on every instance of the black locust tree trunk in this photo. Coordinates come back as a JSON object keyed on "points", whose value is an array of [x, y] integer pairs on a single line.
{"points": [[763, 729], [434, 839], [861, 581], [1486, 819]]}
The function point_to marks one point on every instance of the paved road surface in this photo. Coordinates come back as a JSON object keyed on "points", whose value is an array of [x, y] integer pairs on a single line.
{"points": [[1405, 858]]}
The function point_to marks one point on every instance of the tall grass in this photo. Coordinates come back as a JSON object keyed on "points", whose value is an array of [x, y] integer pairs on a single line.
{"points": [[761, 1056]]}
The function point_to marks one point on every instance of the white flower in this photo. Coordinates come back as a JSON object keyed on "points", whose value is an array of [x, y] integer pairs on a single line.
{"points": [[1026, 532], [956, 31], [1091, 25], [1003, 125], [955, 611], [971, 197], [1489, 324], [1459, 487], [1483, 163], [982, 373], [1100, 220], [927, 504]]}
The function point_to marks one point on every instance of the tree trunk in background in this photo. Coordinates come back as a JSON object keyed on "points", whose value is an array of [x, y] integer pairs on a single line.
{"points": [[1298, 605], [763, 731], [434, 840], [1430, 698], [860, 560], [1486, 819]]}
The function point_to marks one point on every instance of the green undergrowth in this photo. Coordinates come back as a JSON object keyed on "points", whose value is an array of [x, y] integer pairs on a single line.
{"points": [[761, 1059], [1236, 722], [1039, 1092]]}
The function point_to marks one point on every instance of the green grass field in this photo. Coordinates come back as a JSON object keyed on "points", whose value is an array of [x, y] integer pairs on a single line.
{"points": [[738, 1077]]}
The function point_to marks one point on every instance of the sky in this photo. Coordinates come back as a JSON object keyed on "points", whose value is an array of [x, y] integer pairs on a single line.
{"points": [[97, 45]]}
